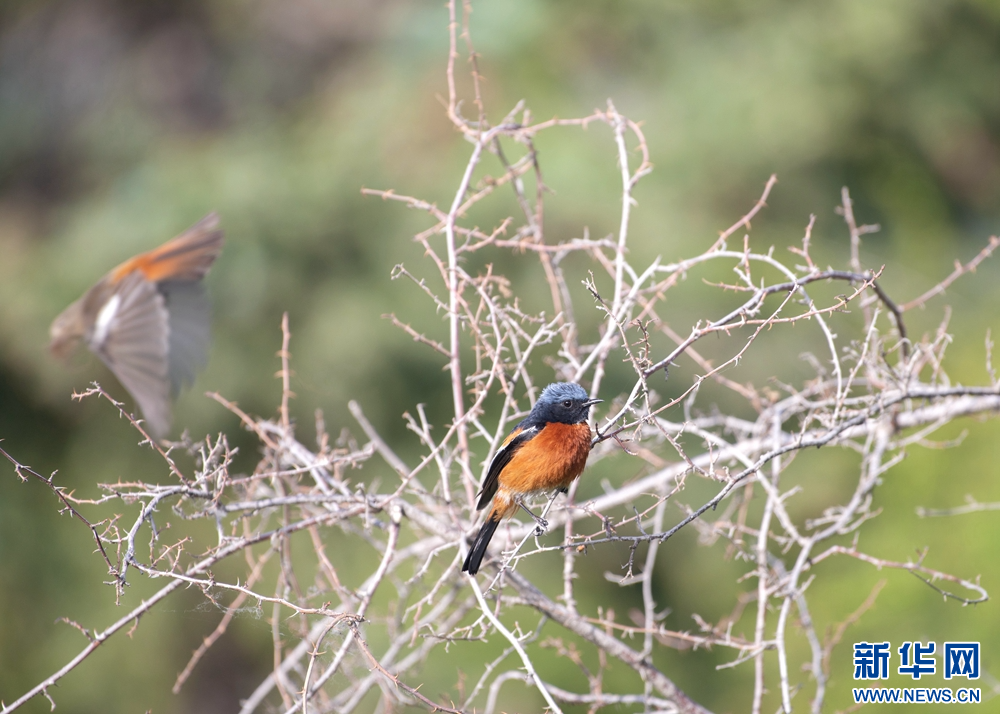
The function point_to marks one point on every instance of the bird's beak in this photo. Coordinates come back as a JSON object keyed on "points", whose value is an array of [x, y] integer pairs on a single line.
{"points": [[592, 402]]}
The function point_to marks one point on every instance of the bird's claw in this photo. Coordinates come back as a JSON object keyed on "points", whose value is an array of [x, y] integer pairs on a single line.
{"points": [[541, 527]]}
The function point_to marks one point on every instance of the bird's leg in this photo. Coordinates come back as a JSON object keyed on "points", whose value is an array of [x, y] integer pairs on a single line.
{"points": [[541, 523]]}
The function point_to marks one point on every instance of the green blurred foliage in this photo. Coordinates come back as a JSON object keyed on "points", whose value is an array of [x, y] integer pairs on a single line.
{"points": [[121, 123]]}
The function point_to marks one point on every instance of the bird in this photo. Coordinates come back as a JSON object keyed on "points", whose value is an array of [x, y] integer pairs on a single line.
{"points": [[547, 451], [148, 320]]}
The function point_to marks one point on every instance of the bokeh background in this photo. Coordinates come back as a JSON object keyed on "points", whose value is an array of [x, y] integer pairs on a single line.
{"points": [[121, 123]]}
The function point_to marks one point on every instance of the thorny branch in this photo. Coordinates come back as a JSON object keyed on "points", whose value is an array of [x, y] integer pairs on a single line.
{"points": [[416, 632]]}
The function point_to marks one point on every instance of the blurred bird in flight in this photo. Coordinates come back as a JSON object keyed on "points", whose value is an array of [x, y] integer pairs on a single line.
{"points": [[545, 452], [148, 320]]}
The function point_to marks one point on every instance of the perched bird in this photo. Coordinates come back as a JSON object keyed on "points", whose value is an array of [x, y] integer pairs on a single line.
{"points": [[546, 451], [148, 320]]}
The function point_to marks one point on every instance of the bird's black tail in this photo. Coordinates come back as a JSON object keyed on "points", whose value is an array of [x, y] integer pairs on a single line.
{"points": [[478, 549]]}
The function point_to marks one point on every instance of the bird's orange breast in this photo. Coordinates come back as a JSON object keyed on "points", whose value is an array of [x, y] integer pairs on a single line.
{"points": [[552, 459]]}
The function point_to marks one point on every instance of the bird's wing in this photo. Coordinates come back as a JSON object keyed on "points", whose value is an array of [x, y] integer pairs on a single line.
{"points": [[186, 257], [514, 441], [131, 336], [190, 331]]}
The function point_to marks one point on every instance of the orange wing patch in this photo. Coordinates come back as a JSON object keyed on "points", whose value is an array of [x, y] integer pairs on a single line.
{"points": [[186, 257]]}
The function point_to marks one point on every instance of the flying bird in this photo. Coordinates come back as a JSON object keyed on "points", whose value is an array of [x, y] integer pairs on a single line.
{"points": [[148, 320], [545, 452]]}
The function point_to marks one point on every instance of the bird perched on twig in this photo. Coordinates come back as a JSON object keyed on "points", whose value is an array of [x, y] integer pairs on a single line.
{"points": [[545, 452], [148, 320]]}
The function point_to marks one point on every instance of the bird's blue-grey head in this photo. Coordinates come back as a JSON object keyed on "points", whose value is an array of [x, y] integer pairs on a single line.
{"points": [[563, 402]]}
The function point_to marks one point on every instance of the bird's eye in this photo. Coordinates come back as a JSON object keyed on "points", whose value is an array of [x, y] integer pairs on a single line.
{"points": [[568, 403]]}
